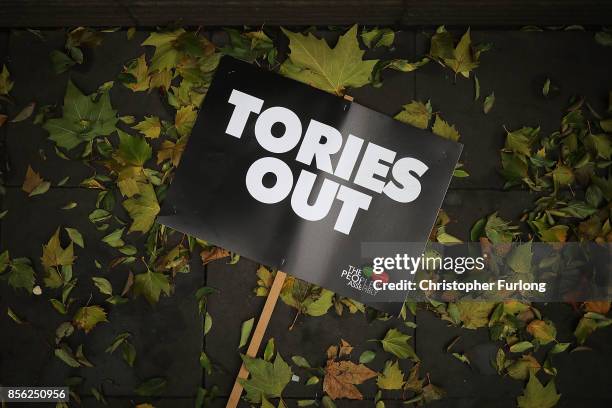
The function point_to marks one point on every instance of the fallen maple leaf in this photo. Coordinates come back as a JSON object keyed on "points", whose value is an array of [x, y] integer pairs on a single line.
{"points": [[341, 378]]}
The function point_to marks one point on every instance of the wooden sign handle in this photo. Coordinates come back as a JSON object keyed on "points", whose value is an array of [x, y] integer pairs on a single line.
{"points": [[258, 334]]}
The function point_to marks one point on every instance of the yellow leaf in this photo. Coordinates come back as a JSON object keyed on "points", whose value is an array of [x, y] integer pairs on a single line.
{"points": [[166, 56], [142, 208], [161, 79], [463, 63], [392, 377], [54, 255], [88, 317], [415, 113], [139, 70], [5, 82], [443, 129], [171, 151], [312, 61], [544, 332], [184, 119], [150, 127]]}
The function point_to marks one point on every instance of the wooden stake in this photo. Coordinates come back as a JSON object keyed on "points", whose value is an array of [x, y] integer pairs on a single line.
{"points": [[260, 330]]}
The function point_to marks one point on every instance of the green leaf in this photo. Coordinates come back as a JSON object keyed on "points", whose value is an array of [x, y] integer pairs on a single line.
{"points": [[367, 357], [594, 196], [88, 317], [114, 238], [546, 87], [75, 236], [601, 143], [535, 395], [378, 37], [313, 380], [416, 113], [5, 82], [300, 361], [606, 125], [133, 150], [521, 346], [208, 322], [584, 329], [559, 348], [604, 38], [142, 208], [520, 258], [14, 316], [166, 54], [396, 343], [443, 129], [312, 61], [151, 387], [42, 188], [321, 305], [4, 261], [577, 209], [245, 331], [83, 119], [521, 140], [488, 103], [563, 175], [65, 354], [269, 350], [103, 285], [205, 363], [151, 285], [267, 380], [514, 167], [117, 341], [461, 357], [391, 378], [21, 274]]}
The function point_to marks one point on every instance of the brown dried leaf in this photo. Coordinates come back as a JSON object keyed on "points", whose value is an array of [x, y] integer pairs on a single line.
{"points": [[341, 378], [171, 151], [332, 352], [601, 307], [32, 180], [345, 348], [212, 254]]}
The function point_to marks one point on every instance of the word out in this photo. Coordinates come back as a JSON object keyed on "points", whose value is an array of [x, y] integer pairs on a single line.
{"points": [[319, 143]]}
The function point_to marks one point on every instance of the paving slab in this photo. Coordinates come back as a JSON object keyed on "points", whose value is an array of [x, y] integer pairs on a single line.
{"points": [[515, 69], [167, 337], [35, 80], [310, 336]]}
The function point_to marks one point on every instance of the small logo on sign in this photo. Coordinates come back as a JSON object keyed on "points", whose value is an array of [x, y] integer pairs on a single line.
{"points": [[360, 279]]}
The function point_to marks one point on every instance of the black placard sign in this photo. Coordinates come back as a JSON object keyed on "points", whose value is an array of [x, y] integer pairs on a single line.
{"points": [[298, 179]]}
